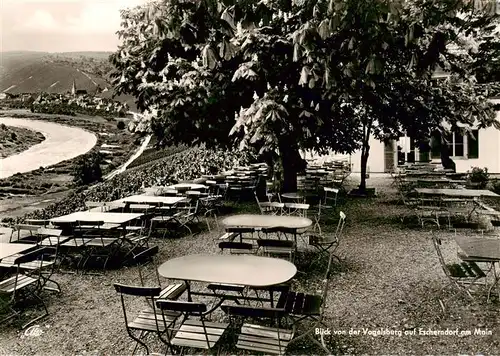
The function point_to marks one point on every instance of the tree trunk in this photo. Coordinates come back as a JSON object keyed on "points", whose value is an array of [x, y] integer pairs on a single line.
{"points": [[291, 162], [365, 152]]}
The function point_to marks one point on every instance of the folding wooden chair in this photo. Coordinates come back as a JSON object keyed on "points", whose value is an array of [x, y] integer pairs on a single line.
{"points": [[280, 246], [51, 237], [257, 336], [330, 194], [74, 248], [45, 264], [465, 274], [186, 213], [148, 320], [99, 245], [137, 238], [197, 334], [327, 245], [271, 208], [274, 293], [308, 307], [23, 284], [243, 233], [25, 229], [147, 263]]}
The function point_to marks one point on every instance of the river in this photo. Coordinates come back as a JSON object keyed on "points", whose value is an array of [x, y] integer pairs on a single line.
{"points": [[61, 143]]}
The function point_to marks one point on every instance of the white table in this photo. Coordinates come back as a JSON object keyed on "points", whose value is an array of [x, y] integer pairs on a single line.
{"points": [[153, 199], [267, 221], [107, 217], [462, 193], [9, 249], [244, 270]]}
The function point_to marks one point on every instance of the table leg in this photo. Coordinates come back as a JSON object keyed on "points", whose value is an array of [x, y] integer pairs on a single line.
{"points": [[188, 289], [495, 283]]}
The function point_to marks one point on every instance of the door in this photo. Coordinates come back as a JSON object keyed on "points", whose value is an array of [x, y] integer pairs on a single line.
{"points": [[390, 156]]}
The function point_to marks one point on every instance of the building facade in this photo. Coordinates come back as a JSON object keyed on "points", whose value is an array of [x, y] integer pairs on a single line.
{"points": [[477, 148]]}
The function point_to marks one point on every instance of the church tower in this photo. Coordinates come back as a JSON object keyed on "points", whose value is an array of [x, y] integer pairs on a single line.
{"points": [[73, 88]]}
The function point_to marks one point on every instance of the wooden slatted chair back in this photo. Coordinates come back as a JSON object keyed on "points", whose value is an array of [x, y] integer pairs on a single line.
{"points": [[257, 337], [436, 240], [139, 292], [297, 209], [39, 222], [234, 245]]}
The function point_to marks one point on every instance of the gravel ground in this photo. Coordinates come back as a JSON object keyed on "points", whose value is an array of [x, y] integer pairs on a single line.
{"points": [[389, 281]]}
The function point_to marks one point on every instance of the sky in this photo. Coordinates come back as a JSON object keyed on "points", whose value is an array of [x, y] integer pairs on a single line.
{"points": [[61, 25]]}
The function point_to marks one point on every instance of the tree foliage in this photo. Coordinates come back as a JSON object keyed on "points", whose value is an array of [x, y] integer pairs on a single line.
{"points": [[87, 169], [282, 75]]}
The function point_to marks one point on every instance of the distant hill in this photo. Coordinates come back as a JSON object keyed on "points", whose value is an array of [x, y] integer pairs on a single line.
{"points": [[34, 72]]}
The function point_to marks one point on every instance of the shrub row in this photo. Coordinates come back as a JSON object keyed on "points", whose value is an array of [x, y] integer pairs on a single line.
{"points": [[186, 165]]}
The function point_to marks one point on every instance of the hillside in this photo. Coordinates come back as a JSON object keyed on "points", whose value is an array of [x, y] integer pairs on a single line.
{"points": [[34, 72]]}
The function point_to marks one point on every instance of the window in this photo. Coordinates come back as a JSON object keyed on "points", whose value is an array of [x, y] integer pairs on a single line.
{"points": [[473, 144], [458, 145]]}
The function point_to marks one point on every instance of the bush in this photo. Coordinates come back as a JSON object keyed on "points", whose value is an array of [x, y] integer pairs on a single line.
{"points": [[120, 125], [496, 186], [88, 169], [479, 177], [13, 136]]}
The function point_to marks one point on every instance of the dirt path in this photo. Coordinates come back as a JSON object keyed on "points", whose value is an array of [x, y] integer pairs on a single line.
{"points": [[61, 143]]}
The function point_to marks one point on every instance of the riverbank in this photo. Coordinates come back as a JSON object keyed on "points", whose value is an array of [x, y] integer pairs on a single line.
{"points": [[14, 140], [25, 192]]}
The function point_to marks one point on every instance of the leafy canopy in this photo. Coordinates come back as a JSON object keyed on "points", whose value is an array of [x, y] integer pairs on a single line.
{"points": [[319, 75]]}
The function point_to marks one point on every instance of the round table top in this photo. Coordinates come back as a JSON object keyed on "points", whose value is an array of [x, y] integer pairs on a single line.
{"points": [[245, 270], [266, 221]]}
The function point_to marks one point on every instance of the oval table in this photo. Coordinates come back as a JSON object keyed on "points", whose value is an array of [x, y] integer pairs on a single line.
{"points": [[267, 221], [243, 270]]}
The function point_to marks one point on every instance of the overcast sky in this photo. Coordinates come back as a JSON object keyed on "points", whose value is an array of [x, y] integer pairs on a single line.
{"points": [[61, 25]]}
